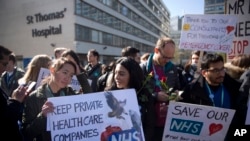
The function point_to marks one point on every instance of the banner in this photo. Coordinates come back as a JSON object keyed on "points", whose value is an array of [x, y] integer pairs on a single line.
{"points": [[191, 122], [241, 9], [212, 33], [102, 116]]}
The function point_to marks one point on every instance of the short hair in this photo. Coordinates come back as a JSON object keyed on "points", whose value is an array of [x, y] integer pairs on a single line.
{"points": [[129, 51], [162, 41], [209, 59], [95, 53], [4, 52], [12, 57]]}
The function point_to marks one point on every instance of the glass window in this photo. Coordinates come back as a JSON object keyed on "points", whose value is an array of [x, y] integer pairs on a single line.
{"points": [[93, 14], [100, 38], [124, 10], [78, 32], [78, 7], [117, 41], [86, 34], [107, 39], [85, 10], [95, 37], [100, 16]]}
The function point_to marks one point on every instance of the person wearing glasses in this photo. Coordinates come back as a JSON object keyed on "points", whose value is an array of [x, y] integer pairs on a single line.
{"points": [[159, 64], [214, 87]]}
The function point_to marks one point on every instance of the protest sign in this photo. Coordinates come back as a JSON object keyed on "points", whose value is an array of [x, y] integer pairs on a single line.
{"points": [[212, 33], [191, 122], [43, 73], [241, 9], [104, 116]]}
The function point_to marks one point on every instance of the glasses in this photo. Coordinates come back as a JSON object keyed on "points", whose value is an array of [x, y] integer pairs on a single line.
{"points": [[165, 57], [217, 71]]}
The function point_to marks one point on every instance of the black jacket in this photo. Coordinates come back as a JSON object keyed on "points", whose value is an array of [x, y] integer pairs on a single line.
{"points": [[11, 112], [195, 93]]}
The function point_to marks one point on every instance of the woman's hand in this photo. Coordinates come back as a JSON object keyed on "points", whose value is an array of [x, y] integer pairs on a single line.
{"points": [[47, 108]]}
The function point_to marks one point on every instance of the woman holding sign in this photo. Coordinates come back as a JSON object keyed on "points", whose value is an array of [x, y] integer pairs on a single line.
{"points": [[128, 74], [37, 107]]}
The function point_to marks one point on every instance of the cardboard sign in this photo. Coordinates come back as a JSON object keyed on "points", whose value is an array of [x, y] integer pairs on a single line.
{"points": [[190, 122], [241, 9], [105, 116], [212, 33]]}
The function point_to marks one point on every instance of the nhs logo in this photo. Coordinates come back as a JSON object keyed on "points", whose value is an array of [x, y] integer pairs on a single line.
{"points": [[186, 126]]}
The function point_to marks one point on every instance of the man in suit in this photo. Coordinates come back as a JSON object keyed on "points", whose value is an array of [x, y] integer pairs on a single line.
{"points": [[9, 81]]}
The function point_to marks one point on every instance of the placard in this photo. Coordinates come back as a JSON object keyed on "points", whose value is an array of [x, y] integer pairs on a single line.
{"points": [[102, 116], [212, 33], [191, 122]]}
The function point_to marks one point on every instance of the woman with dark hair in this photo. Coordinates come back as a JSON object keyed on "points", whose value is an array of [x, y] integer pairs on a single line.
{"points": [[80, 72], [127, 74], [37, 107]]}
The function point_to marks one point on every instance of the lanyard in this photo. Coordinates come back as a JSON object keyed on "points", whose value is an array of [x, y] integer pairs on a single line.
{"points": [[211, 95], [156, 76]]}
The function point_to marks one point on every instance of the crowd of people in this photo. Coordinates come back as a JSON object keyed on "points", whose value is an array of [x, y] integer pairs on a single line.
{"points": [[206, 79]]}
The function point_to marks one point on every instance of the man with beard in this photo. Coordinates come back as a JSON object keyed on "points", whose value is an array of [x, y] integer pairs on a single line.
{"points": [[213, 87]]}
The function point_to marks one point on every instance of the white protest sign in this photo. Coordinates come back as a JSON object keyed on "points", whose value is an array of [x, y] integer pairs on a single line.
{"points": [[192, 122], [104, 116], [241, 44], [213, 33], [43, 73]]}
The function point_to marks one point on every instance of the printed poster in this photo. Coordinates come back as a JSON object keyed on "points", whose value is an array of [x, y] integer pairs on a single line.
{"points": [[191, 122], [102, 116], [210, 32]]}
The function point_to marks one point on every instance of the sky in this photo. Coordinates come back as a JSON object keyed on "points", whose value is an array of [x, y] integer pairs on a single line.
{"points": [[182, 7]]}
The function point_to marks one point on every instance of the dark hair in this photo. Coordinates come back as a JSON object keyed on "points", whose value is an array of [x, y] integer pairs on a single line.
{"points": [[187, 66], [130, 51], [209, 59], [72, 53], [4, 52], [135, 72], [13, 57], [95, 53]]}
